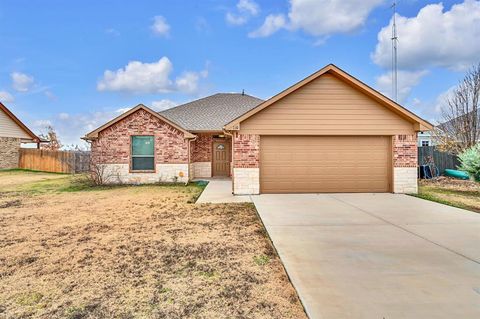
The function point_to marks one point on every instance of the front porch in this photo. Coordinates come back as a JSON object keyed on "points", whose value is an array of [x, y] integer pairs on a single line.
{"points": [[211, 156]]}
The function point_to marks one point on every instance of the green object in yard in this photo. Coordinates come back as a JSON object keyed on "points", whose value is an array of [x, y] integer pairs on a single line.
{"points": [[456, 174], [201, 183]]}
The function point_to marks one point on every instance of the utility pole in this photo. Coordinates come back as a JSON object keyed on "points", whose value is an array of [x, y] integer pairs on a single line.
{"points": [[394, 54]]}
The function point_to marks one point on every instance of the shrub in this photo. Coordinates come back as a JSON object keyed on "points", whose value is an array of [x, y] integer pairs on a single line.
{"points": [[470, 161]]}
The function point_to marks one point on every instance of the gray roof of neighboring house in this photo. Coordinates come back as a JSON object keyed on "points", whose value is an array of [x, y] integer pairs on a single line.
{"points": [[211, 113]]}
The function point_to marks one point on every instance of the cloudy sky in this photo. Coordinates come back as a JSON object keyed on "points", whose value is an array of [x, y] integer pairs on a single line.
{"points": [[75, 64]]}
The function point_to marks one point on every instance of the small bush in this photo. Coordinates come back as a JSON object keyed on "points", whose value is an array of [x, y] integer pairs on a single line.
{"points": [[470, 161]]}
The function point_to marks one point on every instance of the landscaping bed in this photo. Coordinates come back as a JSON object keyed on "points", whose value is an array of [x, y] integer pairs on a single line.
{"points": [[71, 251], [450, 191]]}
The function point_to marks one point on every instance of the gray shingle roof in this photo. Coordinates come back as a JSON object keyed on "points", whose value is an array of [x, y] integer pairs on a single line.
{"points": [[211, 113]]}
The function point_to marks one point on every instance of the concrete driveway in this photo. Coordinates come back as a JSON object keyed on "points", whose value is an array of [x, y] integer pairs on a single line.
{"points": [[376, 255]]}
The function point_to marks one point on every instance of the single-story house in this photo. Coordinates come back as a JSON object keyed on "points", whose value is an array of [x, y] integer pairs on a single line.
{"points": [[327, 133], [12, 134]]}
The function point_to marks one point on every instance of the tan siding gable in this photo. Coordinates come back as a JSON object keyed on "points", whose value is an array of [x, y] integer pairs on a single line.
{"points": [[8, 128], [326, 106]]}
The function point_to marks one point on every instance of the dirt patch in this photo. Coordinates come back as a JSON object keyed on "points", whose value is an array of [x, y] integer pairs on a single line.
{"points": [[135, 252], [451, 183]]}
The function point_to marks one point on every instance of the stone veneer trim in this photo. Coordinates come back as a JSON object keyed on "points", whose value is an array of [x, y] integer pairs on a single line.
{"points": [[405, 180], [9, 152], [121, 174], [201, 169], [247, 181]]}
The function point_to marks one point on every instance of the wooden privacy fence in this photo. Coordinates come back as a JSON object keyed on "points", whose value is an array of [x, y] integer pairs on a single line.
{"points": [[441, 159], [54, 161]]}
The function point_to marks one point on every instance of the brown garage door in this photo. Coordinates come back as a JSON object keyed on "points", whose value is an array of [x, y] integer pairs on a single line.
{"points": [[330, 164]]}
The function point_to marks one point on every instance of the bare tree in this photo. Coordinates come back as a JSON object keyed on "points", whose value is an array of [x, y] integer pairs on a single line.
{"points": [[460, 128], [54, 143], [100, 172]]}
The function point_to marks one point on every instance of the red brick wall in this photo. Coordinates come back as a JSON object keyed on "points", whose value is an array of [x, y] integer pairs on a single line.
{"points": [[202, 148], [405, 150], [113, 144], [246, 150]]}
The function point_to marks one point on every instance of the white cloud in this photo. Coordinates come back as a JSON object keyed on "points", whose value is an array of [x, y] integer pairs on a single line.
{"points": [[442, 100], [50, 95], [163, 104], [123, 109], [245, 10], [64, 116], [234, 19], [112, 32], [321, 18], [21, 82], [160, 26], [324, 17], [249, 6], [406, 81], [272, 24], [71, 127], [41, 124], [434, 38], [6, 97], [159, 105], [139, 77], [188, 81]]}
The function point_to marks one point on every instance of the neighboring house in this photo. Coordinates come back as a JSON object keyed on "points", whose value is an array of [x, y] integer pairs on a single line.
{"points": [[12, 133], [425, 139], [327, 133]]}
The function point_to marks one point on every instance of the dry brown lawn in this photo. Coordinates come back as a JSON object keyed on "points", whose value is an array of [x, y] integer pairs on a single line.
{"points": [[69, 251]]}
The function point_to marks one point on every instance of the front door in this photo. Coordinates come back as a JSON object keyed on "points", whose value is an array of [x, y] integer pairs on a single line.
{"points": [[221, 158]]}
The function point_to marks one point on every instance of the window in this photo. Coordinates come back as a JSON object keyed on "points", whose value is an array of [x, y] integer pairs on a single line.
{"points": [[425, 143], [143, 153]]}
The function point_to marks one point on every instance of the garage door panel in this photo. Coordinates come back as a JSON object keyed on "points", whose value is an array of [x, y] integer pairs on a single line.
{"points": [[324, 164]]}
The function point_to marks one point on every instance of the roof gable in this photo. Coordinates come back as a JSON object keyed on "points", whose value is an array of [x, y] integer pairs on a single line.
{"points": [[420, 124], [94, 134], [19, 124]]}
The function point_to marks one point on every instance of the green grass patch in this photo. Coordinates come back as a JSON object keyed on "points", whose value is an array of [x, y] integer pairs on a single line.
{"points": [[261, 260], [24, 170], [460, 198], [433, 198], [57, 185], [199, 186], [29, 299], [78, 183]]}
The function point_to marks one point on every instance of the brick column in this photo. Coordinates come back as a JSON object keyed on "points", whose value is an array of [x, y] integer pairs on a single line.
{"points": [[246, 172], [405, 164]]}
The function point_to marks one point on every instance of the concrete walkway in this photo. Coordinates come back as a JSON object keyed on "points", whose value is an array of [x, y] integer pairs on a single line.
{"points": [[376, 255], [220, 191]]}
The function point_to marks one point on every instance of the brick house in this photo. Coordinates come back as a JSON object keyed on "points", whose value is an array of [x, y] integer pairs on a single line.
{"points": [[12, 134], [327, 133]]}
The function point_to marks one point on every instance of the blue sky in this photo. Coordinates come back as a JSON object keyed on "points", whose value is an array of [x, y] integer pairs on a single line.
{"points": [[76, 64]]}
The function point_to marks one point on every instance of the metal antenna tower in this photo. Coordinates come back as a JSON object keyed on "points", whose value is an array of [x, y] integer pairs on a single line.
{"points": [[394, 53]]}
